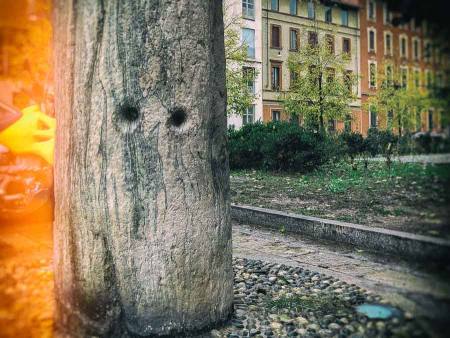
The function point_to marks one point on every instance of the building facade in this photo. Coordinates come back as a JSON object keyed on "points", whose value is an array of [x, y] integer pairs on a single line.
{"points": [[363, 28], [249, 26], [289, 24], [405, 51]]}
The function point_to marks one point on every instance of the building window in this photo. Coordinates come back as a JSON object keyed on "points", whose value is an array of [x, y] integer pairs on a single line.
{"points": [[293, 77], [248, 37], [276, 115], [439, 80], [249, 115], [403, 47], [276, 76], [330, 75], [313, 75], [330, 43], [416, 49], [312, 39], [248, 9], [331, 125], [328, 14], [417, 78], [387, 14], [371, 10], [389, 75], [373, 117], [276, 36], [438, 54], [372, 74], [348, 80], [427, 51], [311, 10], [388, 43], [348, 123], [372, 40], [430, 120], [404, 77], [344, 17], [418, 120], [346, 46], [293, 39], [249, 76], [428, 79], [274, 5], [293, 7]]}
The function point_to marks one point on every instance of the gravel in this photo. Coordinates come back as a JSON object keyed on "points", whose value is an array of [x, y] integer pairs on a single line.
{"points": [[275, 300]]}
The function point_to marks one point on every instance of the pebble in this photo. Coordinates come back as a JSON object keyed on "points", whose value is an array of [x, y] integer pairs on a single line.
{"points": [[334, 326], [276, 325], [301, 320], [313, 327], [275, 300]]}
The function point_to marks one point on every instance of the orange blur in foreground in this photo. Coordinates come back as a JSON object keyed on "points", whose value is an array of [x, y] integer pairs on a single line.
{"points": [[26, 174], [26, 183], [27, 141]]}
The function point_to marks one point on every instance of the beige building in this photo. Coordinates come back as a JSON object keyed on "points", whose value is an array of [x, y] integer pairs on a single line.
{"points": [[247, 16], [289, 24]]}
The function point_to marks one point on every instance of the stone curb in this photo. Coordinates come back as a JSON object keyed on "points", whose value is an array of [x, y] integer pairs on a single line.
{"points": [[407, 245]]}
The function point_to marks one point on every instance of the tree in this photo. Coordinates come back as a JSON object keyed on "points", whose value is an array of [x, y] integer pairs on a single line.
{"points": [[142, 229], [240, 94], [321, 87], [398, 101]]}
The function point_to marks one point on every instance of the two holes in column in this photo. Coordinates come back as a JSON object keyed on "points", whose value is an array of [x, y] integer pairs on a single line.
{"points": [[177, 115]]}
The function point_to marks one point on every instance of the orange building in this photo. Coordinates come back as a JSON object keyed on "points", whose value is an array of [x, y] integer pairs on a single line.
{"points": [[378, 48], [388, 50]]}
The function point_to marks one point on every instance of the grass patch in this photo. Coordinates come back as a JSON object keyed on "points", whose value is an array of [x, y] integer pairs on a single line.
{"points": [[398, 198]]}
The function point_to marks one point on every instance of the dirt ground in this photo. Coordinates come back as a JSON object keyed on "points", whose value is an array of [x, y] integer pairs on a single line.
{"points": [[413, 199]]}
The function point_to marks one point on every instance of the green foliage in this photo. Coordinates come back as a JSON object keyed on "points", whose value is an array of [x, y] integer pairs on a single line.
{"points": [[398, 104], [245, 146], [380, 141], [279, 146], [427, 143], [322, 87], [414, 192], [353, 145]]}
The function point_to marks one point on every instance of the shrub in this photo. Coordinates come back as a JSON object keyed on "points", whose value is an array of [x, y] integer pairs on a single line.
{"points": [[279, 146], [353, 145], [244, 146], [406, 145], [381, 142], [431, 143]]}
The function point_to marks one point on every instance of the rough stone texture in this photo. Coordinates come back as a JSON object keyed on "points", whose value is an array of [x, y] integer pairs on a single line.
{"points": [[410, 246], [142, 229], [422, 289]]}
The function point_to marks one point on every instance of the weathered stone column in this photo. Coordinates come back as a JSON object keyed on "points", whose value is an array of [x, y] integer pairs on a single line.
{"points": [[142, 226]]}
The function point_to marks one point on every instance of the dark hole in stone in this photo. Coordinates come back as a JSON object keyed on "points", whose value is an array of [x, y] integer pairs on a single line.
{"points": [[177, 116], [129, 113]]}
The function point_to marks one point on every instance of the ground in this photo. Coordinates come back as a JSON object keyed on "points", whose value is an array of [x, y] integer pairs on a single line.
{"points": [[410, 197], [26, 280], [422, 290]]}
